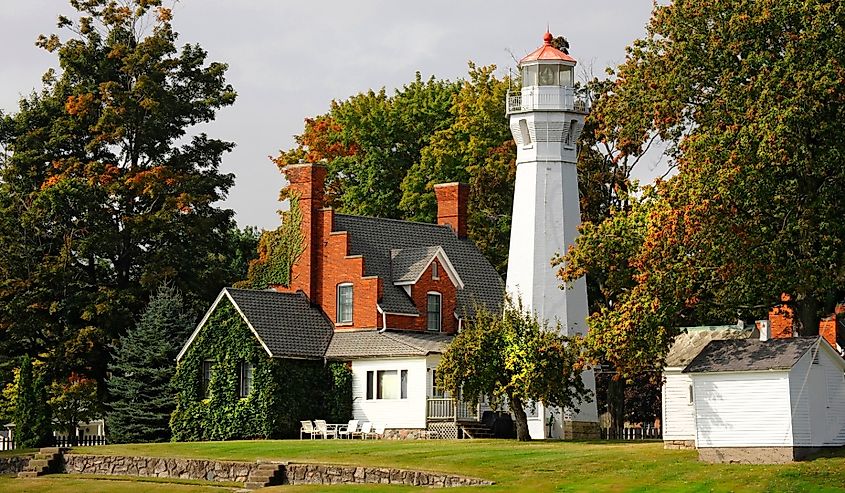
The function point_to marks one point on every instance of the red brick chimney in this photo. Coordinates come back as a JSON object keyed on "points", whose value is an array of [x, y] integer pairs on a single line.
{"points": [[307, 180], [452, 200], [781, 319]]}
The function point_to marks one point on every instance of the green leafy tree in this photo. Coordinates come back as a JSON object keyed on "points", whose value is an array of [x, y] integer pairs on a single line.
{"points": [[278, 250], [32, 414], [514, 358], [103, 192], [142, 368], [73, 401], [747, 95], [476, 148], [371, 140]]}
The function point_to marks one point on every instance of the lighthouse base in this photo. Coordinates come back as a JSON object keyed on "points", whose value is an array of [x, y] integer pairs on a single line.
{"points": [[550, 423]]}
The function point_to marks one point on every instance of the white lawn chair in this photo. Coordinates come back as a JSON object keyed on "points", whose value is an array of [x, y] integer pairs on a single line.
{"points": [[348, 430], [307, 428], [366, 430], [324, 429]]}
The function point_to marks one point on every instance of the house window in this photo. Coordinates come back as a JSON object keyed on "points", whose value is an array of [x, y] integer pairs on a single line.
{"points": [[205, 378], [245, 381], [387, 384], [434, 274], [344, 303], [403, 386], [433, 312], [436, 390]]}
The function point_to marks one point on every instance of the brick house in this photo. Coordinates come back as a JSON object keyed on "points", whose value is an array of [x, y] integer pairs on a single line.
{"points": [[384, 296]]}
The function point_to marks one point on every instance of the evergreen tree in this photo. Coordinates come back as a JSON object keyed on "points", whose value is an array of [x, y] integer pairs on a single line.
{"points": [[143, 366], [32, 415]]}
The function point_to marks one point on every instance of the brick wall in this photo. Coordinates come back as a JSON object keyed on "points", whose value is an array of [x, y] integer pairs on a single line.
{"points": [[419, 295]]}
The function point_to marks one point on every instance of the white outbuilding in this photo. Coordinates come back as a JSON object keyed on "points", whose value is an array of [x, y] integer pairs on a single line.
{"points": [[767, 401], [678, 410]]}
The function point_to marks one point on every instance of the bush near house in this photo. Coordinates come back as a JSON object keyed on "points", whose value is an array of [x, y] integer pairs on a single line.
{"points": [[283, 391]]}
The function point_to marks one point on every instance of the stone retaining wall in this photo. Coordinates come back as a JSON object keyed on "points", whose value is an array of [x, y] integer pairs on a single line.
{"points": [[679, 444], [333, 474], [209, 470], [232, 471], [14, 464], [404, 434]]}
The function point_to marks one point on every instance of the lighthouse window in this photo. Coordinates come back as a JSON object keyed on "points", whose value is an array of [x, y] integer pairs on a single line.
{"points": [[529, 76], [566, 76], [523, 132], [548, 75]]}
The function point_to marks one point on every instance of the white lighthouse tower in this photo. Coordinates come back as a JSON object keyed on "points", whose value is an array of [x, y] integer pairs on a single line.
{"points": [[546, 118]]}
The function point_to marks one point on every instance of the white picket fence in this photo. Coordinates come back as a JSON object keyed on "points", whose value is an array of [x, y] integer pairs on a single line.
{"points": [[643, 433]]}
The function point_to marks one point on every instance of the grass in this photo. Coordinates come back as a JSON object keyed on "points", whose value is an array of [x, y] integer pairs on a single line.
{"points": [[532, 466], [22, 451]]}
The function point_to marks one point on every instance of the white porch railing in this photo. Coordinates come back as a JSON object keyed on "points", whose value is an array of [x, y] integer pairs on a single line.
{"points": [[559, 98], [448, 409]]}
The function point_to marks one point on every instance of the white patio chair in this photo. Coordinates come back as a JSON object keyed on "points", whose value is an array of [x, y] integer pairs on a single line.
{"points": [[307, 428], [346, 431], [366, 429], [324, 429]]}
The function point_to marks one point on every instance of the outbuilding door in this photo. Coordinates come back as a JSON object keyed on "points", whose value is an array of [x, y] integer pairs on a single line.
{"points": [[816, 393]]}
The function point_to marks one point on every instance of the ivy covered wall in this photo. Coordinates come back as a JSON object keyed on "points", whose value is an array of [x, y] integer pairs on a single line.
{"points": [[283, 393]]}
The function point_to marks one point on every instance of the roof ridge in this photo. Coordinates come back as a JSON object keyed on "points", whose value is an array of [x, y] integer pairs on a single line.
{"points": [[405, 221]]}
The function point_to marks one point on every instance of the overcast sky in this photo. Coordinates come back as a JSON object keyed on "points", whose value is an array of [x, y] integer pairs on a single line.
{"points": [[288, 60]]}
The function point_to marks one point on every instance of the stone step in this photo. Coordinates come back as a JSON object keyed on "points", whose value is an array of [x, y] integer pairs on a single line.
{"points": [[39, 455], [36, 463], [254, 485], [29, 474], [50, 450]]}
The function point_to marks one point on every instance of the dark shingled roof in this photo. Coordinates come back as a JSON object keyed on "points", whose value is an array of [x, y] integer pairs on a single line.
{"points": [[689, 343], [375, 238], [287, 323], [750, 355], [408, 263], [374, 344]]}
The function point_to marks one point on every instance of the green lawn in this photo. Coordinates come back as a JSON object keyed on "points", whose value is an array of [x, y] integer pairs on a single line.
{"points": [[533, 466]]}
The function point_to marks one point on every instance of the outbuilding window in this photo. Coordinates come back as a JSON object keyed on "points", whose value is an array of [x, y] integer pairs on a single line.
{"points": [[344, 303], [245, 380], [205, 377], [690, 395]]}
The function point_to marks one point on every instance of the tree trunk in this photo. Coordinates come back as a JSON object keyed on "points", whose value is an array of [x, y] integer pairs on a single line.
{"points": [[616, 401], [520, 419], [807, 316]]}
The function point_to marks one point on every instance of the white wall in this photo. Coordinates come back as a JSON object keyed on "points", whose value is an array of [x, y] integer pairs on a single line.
{"points": [[392, 413], [817, 394], [742, 409], [678, 422]]}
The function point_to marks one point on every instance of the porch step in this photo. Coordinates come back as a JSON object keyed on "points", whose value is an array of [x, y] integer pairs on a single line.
{"points": [[476, 430], [266, 475]]}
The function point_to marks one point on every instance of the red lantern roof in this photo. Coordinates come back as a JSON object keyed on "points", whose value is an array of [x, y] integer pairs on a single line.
{"points": [[547, 52]]}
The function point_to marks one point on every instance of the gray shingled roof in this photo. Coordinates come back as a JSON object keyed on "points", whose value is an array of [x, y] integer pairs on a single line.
{"points": [[750, 355], [375, 238], [373, 344], [408, 263], [690, 342], [287, 323]]}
